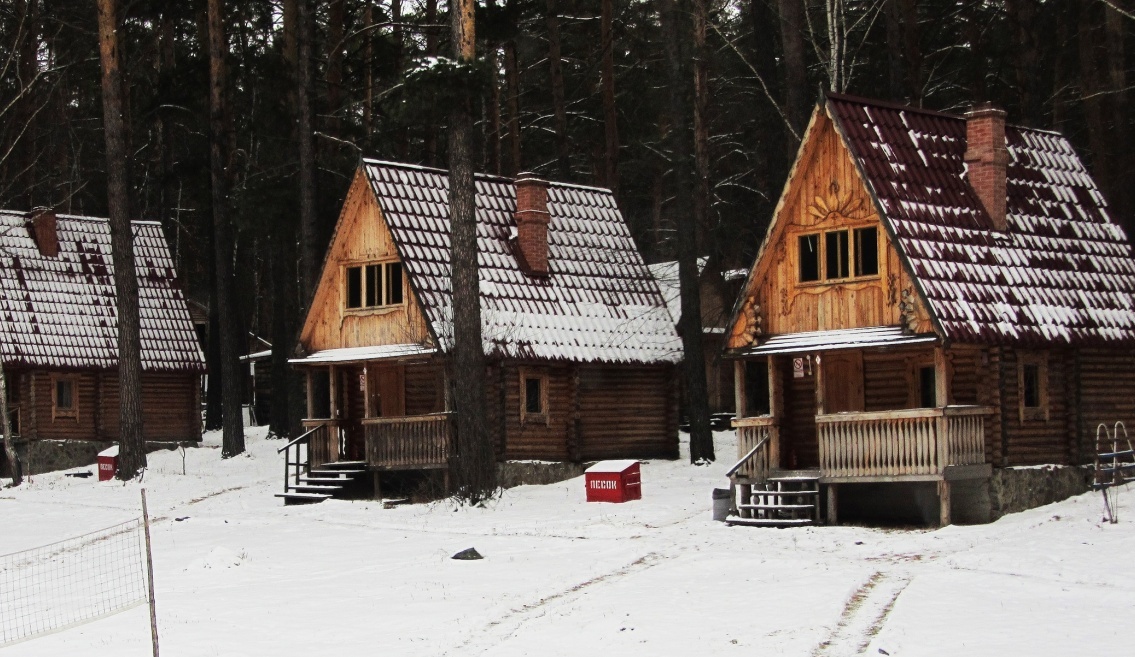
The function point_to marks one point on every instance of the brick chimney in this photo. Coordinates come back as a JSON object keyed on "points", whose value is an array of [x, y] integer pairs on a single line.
{"points": [[532, 223], [987, 160], [42, 226]]}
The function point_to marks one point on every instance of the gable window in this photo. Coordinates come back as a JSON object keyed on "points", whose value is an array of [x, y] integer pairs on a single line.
{"points": [[1032, 380], [533, 396], [64, 402], [373, 286], [845, 254], [809, 258]]}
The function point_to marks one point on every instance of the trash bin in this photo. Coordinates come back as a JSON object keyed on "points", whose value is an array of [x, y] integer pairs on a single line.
{"points": [[108, 463], [721, 501], [613, 481]]}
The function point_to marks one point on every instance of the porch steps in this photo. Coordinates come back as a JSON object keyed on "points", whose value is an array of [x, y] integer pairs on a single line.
{"points": [[787, 499], [330, 480]]}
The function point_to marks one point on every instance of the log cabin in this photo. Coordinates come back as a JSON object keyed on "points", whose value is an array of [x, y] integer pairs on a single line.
{"points": [[59, 339], [579, 346], [939, 300]]}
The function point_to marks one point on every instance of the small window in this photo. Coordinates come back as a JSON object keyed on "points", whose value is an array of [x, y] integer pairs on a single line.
{"points": [[64, 402], [533, 396], [836, 248], [809, 258], [1031, 385], [1032, 376], [927, 387], [393, 283], [354, 287], [373, 285], [866, 251]]}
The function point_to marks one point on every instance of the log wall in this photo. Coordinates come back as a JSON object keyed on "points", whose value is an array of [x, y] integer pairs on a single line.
{"points": [[170, 406], [1106, 389]]}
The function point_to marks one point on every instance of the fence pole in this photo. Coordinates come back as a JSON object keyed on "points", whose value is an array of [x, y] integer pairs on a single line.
{"points": [[150, 574]]}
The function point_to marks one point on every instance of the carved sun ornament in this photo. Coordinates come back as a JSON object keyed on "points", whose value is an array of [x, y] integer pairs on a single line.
{"points": [[836, 204], [748, 327]]}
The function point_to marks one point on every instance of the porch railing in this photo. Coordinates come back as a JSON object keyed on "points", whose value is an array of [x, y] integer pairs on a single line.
{"points": [[755, 441], [410, 442], [297, 455], [326, 444], [920, 441]]}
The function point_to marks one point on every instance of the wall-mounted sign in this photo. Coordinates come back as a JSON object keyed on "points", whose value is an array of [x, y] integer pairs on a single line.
{"points": [[798, 368]]}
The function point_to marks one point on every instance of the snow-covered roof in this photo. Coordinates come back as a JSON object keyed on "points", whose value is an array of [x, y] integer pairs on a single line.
{"points": [[856, 338], [362, 354], [1063, 273], [60, 311], [599, 303]]}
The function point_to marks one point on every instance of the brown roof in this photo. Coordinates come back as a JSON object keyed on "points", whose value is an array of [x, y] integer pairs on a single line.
{"points": [[1062, 274], [599, 303], [60, 311]]}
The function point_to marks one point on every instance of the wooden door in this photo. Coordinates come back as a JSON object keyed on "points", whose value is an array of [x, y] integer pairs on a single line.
{"points": [[843, 382], [387, 391], [353, 405]]}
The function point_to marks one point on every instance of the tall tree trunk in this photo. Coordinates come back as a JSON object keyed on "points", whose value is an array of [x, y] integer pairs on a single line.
{"points": [[335, 18], [431, 51], [401, 136], [903, 53], [474, 468], [795, 74], [701, 122], [166, 64], [678, 36], [25, 155], [1092, 86], [556, 73], [610, 111], [1114, 24], [493, 138], [9, 451], [368, 72], [132, 445], [220, 153], [1026, 56], [512, 81], [311, 254]]}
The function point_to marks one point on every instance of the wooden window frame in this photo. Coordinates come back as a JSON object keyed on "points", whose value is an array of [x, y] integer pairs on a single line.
{"points": [[1041, 411], [533, 418], [852, 260], [383, 305], [71, 413]]}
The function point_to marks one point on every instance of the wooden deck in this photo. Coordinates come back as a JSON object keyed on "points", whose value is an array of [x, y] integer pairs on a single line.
{"points": [[921, 444]]}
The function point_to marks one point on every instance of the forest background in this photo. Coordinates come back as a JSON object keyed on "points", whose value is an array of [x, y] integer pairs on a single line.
{"points": [[575, 90]]}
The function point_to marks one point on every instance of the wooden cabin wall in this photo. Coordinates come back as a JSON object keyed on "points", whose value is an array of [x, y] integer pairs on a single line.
{"points": [[594, 412], [170, 407], [886, 379], [1034, 441], [1106, 389], [425, 389], [542, 440], [361, 236], [627, 412], [824, 192]]}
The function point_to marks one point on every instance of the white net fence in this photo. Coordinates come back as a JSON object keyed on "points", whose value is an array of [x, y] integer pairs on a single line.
{"points": [[81, 579]]}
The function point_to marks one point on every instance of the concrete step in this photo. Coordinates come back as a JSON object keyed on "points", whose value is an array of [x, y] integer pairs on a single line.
{"points": [[769, 522]]}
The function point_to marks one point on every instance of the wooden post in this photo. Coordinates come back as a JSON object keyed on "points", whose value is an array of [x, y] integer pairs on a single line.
{"points": [[150, 575], [943, 503], [333, 447], [819, 370], [366, 393], [833, 505], [310, 398], [941, 378], [739, 387], [776, 410]]}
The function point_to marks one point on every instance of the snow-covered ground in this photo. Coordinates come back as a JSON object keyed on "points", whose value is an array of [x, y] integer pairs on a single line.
{"points": [[237, 573]]}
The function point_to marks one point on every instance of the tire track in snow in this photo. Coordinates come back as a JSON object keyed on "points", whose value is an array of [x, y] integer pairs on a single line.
{"points": [[864, 615], [502, 629]]}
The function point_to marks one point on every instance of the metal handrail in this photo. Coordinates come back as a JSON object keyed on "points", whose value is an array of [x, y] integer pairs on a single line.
{"points": [[737, 466]]}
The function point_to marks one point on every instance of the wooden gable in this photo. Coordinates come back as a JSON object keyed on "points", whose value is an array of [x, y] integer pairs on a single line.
{"points": [[361, 237], [824, 195]]}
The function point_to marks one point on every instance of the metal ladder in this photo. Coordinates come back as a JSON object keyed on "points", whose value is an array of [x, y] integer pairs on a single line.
{"points": [[1113, 466]]}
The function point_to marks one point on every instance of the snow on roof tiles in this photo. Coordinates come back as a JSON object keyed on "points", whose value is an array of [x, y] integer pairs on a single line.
{"points": [[599, 303], [1062, 274], [60, 312]]}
